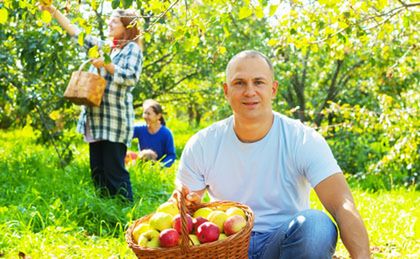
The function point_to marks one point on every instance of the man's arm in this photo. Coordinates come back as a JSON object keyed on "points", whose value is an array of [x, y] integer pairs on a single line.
{"points": [[335, 195]]}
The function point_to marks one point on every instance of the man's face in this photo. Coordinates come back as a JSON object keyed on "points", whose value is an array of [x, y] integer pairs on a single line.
{"points": [[250, 88]]}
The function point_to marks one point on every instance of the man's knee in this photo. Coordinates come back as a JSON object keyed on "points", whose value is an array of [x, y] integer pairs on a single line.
{"points": [[314, 230]]}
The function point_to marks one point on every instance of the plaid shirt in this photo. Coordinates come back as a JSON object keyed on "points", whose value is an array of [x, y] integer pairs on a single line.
{"points": [[113, 120]]}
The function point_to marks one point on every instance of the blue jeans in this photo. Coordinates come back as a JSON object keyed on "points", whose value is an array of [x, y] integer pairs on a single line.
{"points": [[308, 234]]}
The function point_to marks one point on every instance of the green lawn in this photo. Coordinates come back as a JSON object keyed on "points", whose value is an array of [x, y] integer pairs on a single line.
{"points": [[46, 211]]}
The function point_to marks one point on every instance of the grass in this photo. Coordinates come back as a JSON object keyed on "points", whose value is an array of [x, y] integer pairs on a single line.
{"points": [[47, 211]]}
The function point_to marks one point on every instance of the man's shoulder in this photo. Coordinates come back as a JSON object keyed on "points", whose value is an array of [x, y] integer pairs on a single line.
{"points": [[216, 128], [212, 132], [285, 121]]}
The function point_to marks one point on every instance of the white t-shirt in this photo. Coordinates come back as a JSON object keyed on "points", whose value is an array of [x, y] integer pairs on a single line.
{"points": [[273, 175]]}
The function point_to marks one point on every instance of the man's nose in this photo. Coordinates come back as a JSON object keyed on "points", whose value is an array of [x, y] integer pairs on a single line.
{"points": [[249, 89]]}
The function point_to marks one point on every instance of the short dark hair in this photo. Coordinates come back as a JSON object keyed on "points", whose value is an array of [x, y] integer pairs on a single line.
{"points": [[251, 54]]}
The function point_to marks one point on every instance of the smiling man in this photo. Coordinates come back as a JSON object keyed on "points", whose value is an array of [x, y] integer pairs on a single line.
{"points": [[270, 162]]}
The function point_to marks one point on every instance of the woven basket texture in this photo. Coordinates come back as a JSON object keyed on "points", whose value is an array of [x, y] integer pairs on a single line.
{"points": [[85, 88]]}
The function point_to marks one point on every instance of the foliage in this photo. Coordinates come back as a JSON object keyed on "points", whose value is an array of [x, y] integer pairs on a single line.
{"points": [[380, 147], [350, 53], [48, 211]]}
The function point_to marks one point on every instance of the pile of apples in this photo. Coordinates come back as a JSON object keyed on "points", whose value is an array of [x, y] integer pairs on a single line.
{"points": [[163, 229]]}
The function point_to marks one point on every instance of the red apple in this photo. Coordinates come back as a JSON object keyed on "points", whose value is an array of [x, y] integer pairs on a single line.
{"points": [[131, 157], [234, 224], [176, 223], [169, 238], [208, 232], [197, 222]]}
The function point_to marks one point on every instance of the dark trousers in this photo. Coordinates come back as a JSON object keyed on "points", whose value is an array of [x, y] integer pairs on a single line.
{"points": [[108, 169]]}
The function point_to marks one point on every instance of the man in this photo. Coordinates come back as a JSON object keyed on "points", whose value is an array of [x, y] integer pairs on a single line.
{"points": [[269, 162]]}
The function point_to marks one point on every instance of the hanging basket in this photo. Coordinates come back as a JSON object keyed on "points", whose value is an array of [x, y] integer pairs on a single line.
{"points": [[234, 246], [85, 88]]}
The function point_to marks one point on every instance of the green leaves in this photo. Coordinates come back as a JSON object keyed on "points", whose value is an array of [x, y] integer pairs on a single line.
{"points": [[93, 52], [4, 15], [115, 4], [127, 3], [244, 12]]}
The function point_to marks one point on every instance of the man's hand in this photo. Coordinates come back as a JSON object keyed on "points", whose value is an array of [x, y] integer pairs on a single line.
{"points": [[191, 198]]}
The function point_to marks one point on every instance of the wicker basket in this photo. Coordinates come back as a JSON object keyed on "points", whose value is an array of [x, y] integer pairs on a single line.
{"points": [[85, 88], [234, 246]]}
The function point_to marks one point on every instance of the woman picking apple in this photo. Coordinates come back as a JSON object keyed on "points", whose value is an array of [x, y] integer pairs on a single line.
{"points": [[108, 128]]}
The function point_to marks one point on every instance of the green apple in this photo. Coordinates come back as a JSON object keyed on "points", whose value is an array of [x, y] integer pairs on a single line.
{"points": [[149, 239], [235, 211], [168, 207], [218, 217], [194, 239], [161, 221], [222, 236], [140, 229], [202, 212]]}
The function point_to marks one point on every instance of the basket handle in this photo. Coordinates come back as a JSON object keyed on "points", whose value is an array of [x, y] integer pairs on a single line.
{"points": [[185, 238], [84, 64]]}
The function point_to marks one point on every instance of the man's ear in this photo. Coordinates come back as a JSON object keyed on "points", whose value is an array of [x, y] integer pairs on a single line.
{"points": [[274, 88], [225, 89]]}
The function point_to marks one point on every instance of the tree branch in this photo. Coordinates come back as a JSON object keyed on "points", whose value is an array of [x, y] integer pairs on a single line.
{"points": [[331, 92]]}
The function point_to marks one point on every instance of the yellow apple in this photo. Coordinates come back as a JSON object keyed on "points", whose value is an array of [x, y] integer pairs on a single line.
{"points": [[194, 239], [218, 217], [140, 229], [161, 221], [234, 224], [202, 212], [149, 239], [235, 211], [222, 236], [168, 207]]}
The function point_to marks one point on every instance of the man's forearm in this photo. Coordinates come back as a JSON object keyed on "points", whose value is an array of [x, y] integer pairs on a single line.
{"points": [[353, 233]]}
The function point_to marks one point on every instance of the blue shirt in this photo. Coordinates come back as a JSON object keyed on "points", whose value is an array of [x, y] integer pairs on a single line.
{"points": [[162, 142]]}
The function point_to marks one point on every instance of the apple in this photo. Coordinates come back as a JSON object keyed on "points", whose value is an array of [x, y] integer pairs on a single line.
{"points": [[194, 239], [208, 232], [169, 238], [218, 217], [222, 236], [140, 229], [149, 239], [168, 207], [161, 221], [176, 223], [197, 222], [202, 212], [234, 224], [235, 211], [130, 157]]}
